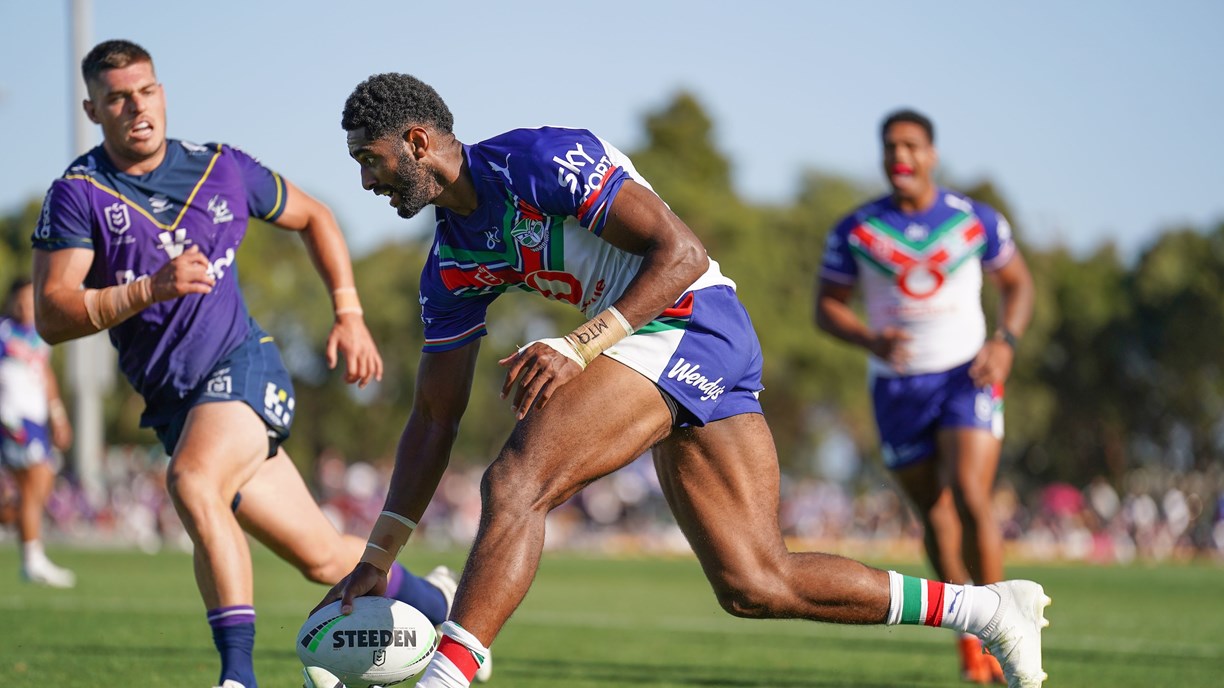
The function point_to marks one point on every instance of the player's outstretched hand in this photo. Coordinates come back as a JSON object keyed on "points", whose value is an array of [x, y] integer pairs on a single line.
{"points": [[365, 579], [187, 273], [351, 338], [539, 369]]}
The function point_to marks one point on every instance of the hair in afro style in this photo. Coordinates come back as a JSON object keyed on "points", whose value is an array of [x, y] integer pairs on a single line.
{"points": [[390, 103]]}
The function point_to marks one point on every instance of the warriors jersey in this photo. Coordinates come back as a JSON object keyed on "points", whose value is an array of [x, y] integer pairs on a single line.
{"points": [[23, 383], [544, 196], [922, 273], [200, 195]]}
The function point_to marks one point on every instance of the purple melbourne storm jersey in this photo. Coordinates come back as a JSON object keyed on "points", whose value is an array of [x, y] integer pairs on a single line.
{"points": [[200, 195], [544, 196], [922, 273]]}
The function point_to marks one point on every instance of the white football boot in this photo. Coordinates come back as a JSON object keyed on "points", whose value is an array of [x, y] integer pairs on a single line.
{"points": [[447, 581], [1013, 636], [318, 677], [43, 572]]}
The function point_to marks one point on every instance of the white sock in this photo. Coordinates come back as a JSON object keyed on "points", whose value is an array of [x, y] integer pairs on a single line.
{"points": [[32, 552]]}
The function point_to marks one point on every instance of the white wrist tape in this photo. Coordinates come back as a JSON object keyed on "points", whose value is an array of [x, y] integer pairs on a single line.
{"points": [[345, 300], [561, 345], [387, 538]]}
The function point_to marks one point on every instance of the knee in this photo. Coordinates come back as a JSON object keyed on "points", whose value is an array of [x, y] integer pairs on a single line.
{"points": [[326, 570], [193, 496], [511, 487], [760, 594], [974, 505]]}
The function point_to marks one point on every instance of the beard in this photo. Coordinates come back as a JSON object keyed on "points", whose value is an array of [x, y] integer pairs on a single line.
{"points": [[415, 186]]}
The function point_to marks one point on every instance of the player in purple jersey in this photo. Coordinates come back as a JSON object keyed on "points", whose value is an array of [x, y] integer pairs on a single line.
{"points": [[936, 379], [667, 361], [151, 226], [33, 423]]}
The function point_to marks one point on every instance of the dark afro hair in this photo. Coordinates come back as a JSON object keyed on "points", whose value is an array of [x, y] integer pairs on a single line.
{"points": [[911, 116], [390, 103]]}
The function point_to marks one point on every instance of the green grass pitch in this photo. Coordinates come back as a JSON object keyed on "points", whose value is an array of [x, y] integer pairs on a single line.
{"points": [[136, 620]]}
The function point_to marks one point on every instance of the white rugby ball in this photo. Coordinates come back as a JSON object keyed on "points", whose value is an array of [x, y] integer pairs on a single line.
{"points": [[383, 641]]}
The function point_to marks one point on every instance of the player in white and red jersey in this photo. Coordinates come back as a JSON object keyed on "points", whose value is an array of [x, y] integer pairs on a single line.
{"points": [[936, 379], [33, 423], [667, 361]]}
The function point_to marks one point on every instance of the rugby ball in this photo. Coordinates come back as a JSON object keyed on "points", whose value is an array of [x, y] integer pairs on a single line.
{"points": [[382, 642]]}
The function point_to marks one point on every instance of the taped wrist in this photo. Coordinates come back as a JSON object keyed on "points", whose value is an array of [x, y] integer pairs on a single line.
{"points": [[387, 538], [598, 334], [562, 346], [345, 300], [112, 305]]}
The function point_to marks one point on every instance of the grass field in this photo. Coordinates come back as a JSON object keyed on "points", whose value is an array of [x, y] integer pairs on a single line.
{"points": [[136, 620]]}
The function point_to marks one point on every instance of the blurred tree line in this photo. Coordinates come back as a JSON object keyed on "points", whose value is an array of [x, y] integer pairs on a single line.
{"points": [[1123, 364]]}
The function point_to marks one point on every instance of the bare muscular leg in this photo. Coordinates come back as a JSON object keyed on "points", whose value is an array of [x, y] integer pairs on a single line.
{"points": [[222, 446], [722, 483], [595, 424]]}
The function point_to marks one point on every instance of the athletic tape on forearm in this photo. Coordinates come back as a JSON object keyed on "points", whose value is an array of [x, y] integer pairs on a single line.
{"points": [[110, 306], [388, 537], [345, 300], [598, 334]]}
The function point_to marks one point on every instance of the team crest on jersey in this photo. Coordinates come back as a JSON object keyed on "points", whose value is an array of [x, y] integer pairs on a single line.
{"points": [[530, 227], [118, 218], [219, 207]]}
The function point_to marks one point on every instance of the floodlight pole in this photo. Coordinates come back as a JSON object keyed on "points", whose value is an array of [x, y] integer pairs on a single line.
{"points": [[90, 360]]}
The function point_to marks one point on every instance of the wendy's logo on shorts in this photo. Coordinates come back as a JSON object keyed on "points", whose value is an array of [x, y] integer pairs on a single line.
{"points": [[687, 372]]}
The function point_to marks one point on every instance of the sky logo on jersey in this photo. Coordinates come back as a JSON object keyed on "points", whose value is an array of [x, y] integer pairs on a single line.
{"points": [[530, 227]]}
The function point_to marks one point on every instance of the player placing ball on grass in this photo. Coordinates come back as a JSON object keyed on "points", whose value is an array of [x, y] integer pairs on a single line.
{"points": [[667, 361]]}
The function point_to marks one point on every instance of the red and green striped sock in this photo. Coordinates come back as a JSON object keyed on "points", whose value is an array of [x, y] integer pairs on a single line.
{"points": [[920, 601]]}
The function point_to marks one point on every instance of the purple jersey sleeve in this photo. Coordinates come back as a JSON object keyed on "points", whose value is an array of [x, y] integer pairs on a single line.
{"points": [[265, 189], [566, 172], [838, 264], [1000, 247], [65, 221]]}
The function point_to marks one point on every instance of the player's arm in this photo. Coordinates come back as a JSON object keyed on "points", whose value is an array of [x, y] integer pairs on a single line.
{"points": [[329, 253], [993, 363], [444, 383], [61, 427], [672, 259], [835, 316], [63, 310]]}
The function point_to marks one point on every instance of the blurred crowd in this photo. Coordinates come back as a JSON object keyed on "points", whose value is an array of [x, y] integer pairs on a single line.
{"points": [[1153, 515]]}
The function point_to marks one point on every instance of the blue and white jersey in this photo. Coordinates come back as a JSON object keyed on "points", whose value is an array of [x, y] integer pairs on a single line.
{"points": [[200, 195], [922, 273], [544, 196], [24, 358]]}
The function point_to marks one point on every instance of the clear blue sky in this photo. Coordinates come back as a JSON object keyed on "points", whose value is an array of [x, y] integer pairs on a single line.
{"points": [[1098, 119]]}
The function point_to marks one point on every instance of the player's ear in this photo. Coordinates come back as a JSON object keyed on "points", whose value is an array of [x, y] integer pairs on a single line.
{"points": [[417, 139], [88, 106]]}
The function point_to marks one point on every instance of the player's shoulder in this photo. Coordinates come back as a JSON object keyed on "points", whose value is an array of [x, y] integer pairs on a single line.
{"points": [[873, 208], [538, 143], [963, 203]]}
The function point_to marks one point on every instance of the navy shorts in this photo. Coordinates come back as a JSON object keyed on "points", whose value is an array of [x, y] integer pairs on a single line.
{"points": [[252, 373], [910, 409]]}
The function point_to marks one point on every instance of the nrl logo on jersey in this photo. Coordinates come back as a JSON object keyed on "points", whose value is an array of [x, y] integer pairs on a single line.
{"points": [[118, 218], [219, 207], [530, 227]]}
